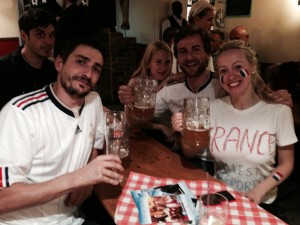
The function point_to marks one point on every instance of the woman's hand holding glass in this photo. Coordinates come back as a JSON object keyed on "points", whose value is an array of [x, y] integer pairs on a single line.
{"points": [[125, 94], [177, 121]]}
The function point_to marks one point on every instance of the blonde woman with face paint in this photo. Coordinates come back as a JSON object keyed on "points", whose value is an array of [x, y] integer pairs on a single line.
{"points": [[248, 128]]}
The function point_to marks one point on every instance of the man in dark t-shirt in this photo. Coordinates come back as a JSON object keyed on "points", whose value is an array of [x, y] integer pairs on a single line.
{"points": [[28, 68]]}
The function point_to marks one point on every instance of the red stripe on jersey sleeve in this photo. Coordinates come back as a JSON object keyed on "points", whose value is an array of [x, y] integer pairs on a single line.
{"points": [[29, 99]]}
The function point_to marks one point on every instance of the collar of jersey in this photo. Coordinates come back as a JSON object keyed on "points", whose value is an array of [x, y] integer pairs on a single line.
{"points": [[210, 76], [60, 106]]}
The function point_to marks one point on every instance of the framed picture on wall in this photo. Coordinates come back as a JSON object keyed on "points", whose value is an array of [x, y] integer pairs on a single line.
{"points": [[238, 7]]}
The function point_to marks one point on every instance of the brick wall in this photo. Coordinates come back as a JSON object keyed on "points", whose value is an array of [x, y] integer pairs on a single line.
{"points": [[120, 64]]}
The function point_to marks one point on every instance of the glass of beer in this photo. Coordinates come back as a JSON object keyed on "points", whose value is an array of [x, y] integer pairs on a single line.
{"points": [[117, 136], [124, 149], [195, 136], [213, 209], [141, 111]]}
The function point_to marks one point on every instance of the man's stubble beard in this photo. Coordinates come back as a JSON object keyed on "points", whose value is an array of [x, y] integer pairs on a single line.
{"points": [[73, 91], [201, 69]]}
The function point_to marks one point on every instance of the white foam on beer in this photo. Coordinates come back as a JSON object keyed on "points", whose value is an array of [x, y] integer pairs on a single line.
{"points": [[193, 124], [143, 107], [123, 153], [115, 125], [199, 123]]}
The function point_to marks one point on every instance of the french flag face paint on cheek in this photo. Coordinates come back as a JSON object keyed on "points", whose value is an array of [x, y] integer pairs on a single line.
{"points": [[244, 73]]}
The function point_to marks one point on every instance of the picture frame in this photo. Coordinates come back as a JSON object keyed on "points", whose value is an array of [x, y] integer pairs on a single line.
{"points": [[238, 7]]}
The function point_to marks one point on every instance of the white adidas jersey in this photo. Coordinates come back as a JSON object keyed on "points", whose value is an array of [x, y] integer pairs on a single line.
{"points": [[41, 139]]}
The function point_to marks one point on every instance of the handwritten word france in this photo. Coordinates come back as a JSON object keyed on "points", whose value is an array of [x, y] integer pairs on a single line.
{"points": [[255, 142]]}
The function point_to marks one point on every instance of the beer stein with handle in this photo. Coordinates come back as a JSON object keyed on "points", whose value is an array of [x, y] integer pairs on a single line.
{"points": [[141, 111], [195, 136]]}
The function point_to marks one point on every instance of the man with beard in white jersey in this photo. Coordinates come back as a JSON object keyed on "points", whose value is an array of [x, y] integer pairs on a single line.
{"points": [[49, 140]]}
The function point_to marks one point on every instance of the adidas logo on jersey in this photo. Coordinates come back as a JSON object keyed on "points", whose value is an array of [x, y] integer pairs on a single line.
{"points": [[78, 130]]}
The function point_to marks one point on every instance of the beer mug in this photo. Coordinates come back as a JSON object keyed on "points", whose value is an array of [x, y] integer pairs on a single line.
{"points": [[117, 136], [196, 124], [141, 111]]}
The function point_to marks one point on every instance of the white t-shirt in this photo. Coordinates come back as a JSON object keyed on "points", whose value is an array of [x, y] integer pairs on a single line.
{"points": [[41, 139], [243, 142], [171, 97]]}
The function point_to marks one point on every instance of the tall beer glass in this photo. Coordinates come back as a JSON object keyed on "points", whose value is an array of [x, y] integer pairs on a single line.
{"points": [[117, 139], [115, 129], [195, 131]]}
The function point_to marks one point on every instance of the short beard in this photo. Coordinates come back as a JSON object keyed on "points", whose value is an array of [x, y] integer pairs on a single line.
{"points": [[74, 92], [202, 68]]}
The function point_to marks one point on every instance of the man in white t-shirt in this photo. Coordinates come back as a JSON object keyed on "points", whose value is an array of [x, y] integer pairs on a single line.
{"points": [[49, 140], [192, 49]]}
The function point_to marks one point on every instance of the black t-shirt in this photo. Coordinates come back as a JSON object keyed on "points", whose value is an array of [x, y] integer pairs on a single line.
{"points": [[18, 77]]}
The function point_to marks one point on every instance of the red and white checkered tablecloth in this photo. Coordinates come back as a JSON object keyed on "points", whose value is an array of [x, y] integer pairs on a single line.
{"points": [[241, 211]]}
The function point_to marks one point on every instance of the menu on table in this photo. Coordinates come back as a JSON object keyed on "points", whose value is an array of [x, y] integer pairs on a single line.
{"points": [[168, 203]]}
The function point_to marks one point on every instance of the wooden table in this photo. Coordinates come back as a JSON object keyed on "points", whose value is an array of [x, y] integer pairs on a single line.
{"points": [[151, 158]]}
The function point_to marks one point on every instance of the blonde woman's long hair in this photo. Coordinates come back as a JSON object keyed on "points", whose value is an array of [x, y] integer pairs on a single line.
{"points": [[152, 47], [260, 88]]}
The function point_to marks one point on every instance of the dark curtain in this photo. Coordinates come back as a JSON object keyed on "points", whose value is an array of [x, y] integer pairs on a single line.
{"points": [[102, 13]]}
